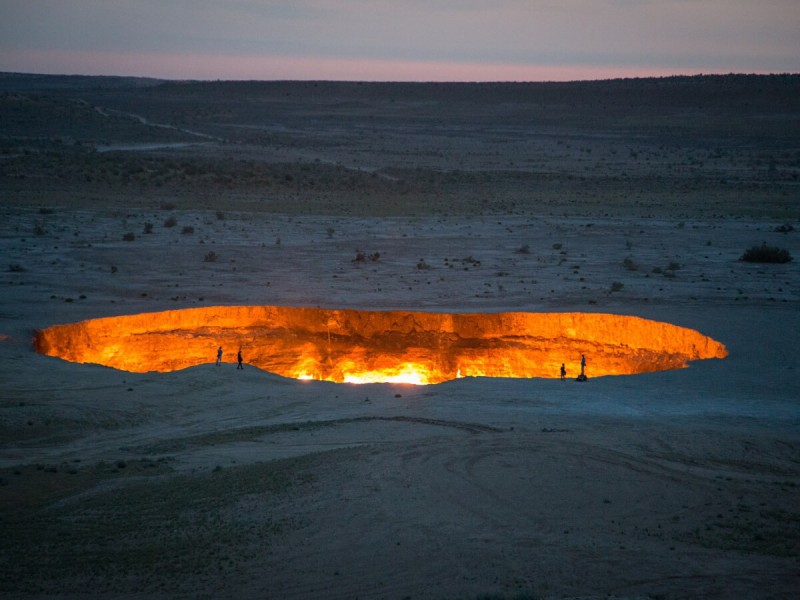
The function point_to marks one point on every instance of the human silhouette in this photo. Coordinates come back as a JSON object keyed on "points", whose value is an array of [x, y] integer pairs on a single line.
{"points": [[582, 376], [563, 372], [219, 356], [239, 359]]}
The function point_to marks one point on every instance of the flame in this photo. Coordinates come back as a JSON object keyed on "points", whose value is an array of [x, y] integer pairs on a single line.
{"points": [[355, 346], [407, 373]]}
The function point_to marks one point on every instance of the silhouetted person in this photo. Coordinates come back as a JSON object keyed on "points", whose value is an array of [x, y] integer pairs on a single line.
{"points": [[582, 376], [219, 356], [239, 359], [563, 372]]}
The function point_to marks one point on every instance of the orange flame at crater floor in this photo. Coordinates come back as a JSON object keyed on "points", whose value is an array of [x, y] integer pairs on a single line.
{"points": [[359, 346]]}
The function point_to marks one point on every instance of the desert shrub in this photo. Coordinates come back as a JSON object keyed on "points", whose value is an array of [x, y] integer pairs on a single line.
{"points": [[785, 228], [674, 266], [220, 215], [422, 265], [16, 268], [517, 596], [617, 286], [523, 249], [148, 228], [187, 230], [766, 254], [129, 237], [629, 264], [167, 206], [170, 222], [330, 231], [364, 257], [210, 257]]}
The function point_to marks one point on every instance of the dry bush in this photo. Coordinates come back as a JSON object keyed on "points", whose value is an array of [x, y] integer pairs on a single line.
{"points": [[364, 257], [766, 254]]}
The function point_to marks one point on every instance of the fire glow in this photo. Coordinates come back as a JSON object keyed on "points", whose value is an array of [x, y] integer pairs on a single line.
{"points": [[360, 346]]}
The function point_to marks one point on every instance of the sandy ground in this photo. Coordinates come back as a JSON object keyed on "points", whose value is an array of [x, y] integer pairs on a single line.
{"points": [[675, 484], [217, 483]]}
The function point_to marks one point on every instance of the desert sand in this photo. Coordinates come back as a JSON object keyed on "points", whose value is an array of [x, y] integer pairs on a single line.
{"points": [[631, 197]]}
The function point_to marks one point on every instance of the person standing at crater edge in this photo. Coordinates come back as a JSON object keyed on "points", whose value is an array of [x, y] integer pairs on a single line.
{"points": [[219, 356], [582, 376], [239, 359]]}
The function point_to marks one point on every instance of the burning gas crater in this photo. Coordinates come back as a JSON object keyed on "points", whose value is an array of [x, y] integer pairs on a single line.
{"points": [[359, 346]]}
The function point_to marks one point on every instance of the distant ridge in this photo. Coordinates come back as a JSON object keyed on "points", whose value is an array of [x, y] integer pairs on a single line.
{"points": [[728, 104], [10, 81], [31, 82]]}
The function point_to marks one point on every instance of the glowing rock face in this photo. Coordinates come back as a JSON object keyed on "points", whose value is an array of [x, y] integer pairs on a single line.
{"points": [[358, 346]]}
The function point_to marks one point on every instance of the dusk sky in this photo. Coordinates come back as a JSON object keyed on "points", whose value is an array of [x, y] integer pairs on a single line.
{"points": [[399, 40]]}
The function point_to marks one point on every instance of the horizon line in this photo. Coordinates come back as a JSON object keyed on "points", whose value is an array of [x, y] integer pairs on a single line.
{"points": [[196, 67], [676, 75]]}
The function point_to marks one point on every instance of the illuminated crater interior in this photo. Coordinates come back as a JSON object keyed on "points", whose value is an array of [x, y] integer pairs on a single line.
{"points": [[359, 346]]}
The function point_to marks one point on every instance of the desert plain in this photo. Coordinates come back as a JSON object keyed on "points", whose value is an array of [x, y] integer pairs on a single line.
{"points": [[121, 196]]}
